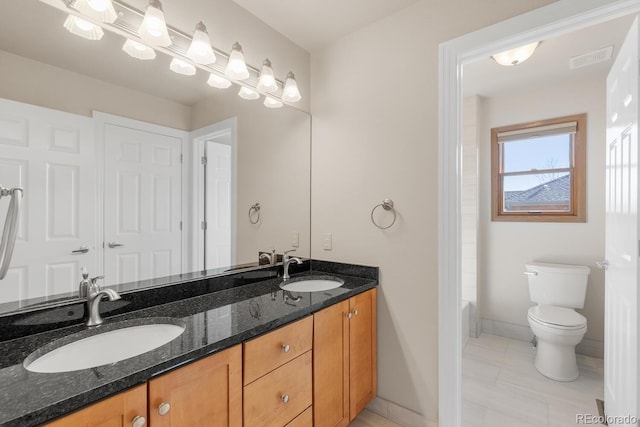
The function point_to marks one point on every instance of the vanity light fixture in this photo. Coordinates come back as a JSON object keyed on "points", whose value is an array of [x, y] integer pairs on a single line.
{"points": [[100, 10], [290, 93], [515, 56], [138, 50], [267, 81], [82, 28], [181, 67], [236, 68], [153, 29], [217, 81], [249, 94], [270, 102], [200, 50]]}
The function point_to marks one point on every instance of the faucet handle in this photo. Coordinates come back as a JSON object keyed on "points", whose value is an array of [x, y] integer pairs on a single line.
{"points": [[85, 273]]}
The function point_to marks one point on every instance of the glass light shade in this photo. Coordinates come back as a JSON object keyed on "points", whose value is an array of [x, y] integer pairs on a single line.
{"points": [[290, 93], [82, 28], [200, 50], [267, 81], [100, 10], [246, 93], [270, 102], [153, 29], [236, 67], [217, 81], [138, 50], [181, 67], [515, 56]]}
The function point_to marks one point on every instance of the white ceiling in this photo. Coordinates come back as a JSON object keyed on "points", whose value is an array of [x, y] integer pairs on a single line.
{"points": [[549, 63], [312, 23]]}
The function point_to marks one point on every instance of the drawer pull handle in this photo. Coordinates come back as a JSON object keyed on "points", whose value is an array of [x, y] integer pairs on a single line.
{"points": [[286, 348], [349, 315], [164, 408], [285, 398], [355, 312], [138, 421]]}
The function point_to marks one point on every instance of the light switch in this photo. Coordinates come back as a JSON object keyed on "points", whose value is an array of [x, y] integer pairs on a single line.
{"points": [[295, 239], [327, 241]]}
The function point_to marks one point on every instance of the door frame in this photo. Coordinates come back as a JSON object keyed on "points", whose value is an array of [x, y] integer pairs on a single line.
{"points": [[552, 20]]}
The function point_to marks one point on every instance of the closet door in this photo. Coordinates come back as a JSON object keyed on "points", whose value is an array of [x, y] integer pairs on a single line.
{"points": [[50, 154]]}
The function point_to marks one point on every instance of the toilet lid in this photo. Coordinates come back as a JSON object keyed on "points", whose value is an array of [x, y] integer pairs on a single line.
{"points": [[559, 316]]}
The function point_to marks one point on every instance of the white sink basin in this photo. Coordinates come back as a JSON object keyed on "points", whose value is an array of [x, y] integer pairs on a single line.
{"points": [[311, 284], [104, 348]]}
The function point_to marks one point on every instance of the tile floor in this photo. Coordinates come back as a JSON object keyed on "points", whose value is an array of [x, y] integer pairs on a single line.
{"points": [[502, 388], [371, 419]]}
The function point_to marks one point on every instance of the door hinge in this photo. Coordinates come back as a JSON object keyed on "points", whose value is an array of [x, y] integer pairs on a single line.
{"points": [[180, 158], [180, 225], [203, 159], [203, 225]]}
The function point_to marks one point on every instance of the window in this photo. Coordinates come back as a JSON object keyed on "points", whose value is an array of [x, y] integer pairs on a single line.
{"points": [[538, 171]]}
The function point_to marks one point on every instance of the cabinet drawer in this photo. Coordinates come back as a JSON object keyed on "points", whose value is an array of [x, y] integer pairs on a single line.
{"points": [[264, 354], [305, 419], [277, 398]]}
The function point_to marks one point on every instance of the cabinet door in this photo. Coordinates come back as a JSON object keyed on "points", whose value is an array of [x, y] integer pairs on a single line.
{"points": [[117, 411], [204, 393], [331, 366], [362, 351]]}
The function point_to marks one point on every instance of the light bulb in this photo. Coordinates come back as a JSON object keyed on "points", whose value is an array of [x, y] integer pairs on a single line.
{"points": [[515, 56], [270, 102], [246, 93], [181, 67], [236, 67], [100, 10], [290, 93], [138, 50], [200, 50], [217, 81], [153, 29], [82, 28], [267, 81]]}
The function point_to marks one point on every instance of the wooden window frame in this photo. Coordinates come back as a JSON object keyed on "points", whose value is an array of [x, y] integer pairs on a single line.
{"points": [[578, 211]]}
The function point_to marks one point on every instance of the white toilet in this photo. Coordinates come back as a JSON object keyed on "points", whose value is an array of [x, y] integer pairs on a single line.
{"points": [[557, 289]]}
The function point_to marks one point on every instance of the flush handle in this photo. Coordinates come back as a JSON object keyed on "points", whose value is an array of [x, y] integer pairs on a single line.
{"points": [[138, 421], [603, 264], [164, 408]]}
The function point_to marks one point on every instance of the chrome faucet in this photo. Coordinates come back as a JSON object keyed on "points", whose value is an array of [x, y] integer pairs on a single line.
{"points": [[270, 257], [93, 292], [286, 261]]}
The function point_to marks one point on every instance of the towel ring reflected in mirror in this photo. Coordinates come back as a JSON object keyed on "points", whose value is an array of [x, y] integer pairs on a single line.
{"points": [[254, 213], [387, 205]]}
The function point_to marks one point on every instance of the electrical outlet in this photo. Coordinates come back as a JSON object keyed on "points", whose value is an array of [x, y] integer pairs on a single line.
{"points": [[295, 239], [327, 242]]}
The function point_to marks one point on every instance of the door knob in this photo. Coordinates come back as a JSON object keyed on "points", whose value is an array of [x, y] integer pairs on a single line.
{"points": [[164, 408], [114, 244], [286, 348], [138, 421], [81, 250], [603, 264], [285, 398]]}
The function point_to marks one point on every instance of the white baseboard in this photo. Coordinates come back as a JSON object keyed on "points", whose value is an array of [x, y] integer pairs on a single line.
{"points": [[403, 416], [586, 347]]}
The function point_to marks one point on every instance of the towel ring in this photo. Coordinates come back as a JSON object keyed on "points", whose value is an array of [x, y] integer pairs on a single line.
{"points": [[387, 205], [254, 208]]}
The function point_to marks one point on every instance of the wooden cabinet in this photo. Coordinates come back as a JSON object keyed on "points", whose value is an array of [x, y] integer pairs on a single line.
{"points": [[120, 410], [204, 393], [344, 360]]}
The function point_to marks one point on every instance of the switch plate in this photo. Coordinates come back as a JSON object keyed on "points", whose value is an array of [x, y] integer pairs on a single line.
{"points": [[295, 239], [327, 242]]}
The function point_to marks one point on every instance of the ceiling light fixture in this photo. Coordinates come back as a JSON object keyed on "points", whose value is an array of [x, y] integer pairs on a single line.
{"points": [[267, 81], [270, 102], [82, 28], [200, 50], [100, 10], [236, 68], [181, 67], [138, 50], [218, 82], [246, 93], [290, 93], [515, 56], [153, 29]]}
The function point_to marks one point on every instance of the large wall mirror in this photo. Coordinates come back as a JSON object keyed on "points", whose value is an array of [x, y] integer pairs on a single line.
{"points": [[135, 172]]}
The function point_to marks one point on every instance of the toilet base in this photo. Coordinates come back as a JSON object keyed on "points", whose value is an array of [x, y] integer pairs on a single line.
{"points": [[556, 361]]}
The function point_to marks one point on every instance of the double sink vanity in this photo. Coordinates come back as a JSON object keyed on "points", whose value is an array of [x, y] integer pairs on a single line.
{"points": [[247, 348]]}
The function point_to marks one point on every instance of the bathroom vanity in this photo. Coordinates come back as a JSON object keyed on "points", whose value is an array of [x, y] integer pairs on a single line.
{"points": [[251, 354]]}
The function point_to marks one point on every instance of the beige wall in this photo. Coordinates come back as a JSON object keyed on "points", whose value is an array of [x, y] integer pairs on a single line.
{"points": [[375, 135], [509, 245]]}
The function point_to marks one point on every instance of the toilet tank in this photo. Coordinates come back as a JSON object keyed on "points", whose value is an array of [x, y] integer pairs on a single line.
{"points": [[563, 285]]}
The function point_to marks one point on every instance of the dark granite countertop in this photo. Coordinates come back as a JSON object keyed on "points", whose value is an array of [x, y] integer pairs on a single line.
{"points": [[214, 321]]}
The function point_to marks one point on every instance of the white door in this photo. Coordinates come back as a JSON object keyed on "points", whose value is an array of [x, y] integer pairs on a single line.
{"points": [[142, 205], [51, 155], [621, 295], [217, 205]]}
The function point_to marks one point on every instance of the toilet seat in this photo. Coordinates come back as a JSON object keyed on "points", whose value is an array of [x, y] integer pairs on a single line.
{"points": [[556, 317]]}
